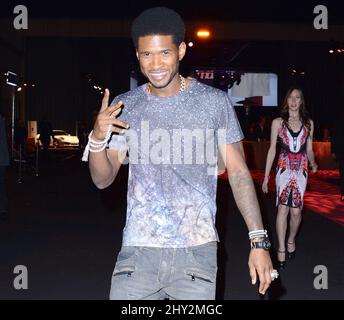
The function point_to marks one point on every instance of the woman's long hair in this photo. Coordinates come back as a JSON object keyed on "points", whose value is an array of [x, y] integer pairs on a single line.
{"points": [[304, 116]]}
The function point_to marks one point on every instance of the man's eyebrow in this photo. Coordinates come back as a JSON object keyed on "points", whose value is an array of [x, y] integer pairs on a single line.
{"points": [[162, 50]]}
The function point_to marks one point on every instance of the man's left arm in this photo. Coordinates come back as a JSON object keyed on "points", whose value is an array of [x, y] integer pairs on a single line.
{"points": [[246, 199]]}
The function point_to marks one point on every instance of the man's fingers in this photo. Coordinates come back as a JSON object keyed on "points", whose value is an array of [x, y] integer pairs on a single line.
{"points": [[267, 280], [114, 107], [262, 282], [121, 124], [253, 274], [116, 112], [105, 101], [116, 122], [117, 130]]}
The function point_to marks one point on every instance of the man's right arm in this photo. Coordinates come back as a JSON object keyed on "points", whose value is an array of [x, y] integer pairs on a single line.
{"points": [[104, 165]]}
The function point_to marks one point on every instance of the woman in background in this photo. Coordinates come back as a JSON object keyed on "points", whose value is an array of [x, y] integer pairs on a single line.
{"points": [[294, 130]]}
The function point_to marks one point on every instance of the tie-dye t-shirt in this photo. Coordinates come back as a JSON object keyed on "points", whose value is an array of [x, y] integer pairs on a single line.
{"points": [[172, 145]]}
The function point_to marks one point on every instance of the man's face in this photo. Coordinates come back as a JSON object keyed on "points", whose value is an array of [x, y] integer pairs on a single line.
{"points": [[159, 59]]}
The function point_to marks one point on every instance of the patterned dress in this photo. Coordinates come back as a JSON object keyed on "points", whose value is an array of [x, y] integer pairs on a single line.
{"points": [[292, 167]]}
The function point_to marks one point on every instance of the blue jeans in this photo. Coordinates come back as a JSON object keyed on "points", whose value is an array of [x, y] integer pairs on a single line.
{"points": [[148, 273]]}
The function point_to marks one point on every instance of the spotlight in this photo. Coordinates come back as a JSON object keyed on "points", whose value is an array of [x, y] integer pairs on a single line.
{"points": [[203, 34], [190, 44]]}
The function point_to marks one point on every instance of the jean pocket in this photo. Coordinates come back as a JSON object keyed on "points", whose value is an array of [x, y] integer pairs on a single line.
{"points": [[126, 253], [205, 256], [203, 261], [201, 275], [126, 261]]}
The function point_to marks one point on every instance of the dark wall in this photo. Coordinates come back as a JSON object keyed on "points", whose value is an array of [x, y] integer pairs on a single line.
{"points": [[322, 82], [60, 67], [10, 60]]}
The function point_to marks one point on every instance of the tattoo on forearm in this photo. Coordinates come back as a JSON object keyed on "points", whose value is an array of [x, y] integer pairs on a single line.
{"points": [[246, 198]]}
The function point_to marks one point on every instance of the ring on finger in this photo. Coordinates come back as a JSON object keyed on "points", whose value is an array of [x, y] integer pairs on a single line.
{"points": [[274, 274]]}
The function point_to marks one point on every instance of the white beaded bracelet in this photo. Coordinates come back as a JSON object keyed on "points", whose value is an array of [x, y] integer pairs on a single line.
{"points": [[257, 234], [95, 146]]}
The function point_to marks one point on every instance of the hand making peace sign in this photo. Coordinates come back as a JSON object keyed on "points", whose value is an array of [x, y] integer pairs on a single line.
{"points": [[107, 117]]}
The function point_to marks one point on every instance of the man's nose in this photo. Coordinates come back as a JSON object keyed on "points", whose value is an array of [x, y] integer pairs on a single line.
{"points": [[156, 62]]}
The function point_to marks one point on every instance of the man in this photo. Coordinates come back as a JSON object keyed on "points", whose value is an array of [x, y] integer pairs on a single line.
{"points": [[20, 137], [261, 130], [170, 242], [4, 162]]}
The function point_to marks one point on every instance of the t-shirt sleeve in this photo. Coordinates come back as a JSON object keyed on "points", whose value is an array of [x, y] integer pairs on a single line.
{"points": [[228, 127], [117, 141]]}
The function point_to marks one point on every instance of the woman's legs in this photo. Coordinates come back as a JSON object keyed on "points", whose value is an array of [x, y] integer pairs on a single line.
{"points": [[294, 224], [281, 229]]}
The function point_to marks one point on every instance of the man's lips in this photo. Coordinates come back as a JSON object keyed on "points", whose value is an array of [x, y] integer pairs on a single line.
{"points": [[158, 75]]}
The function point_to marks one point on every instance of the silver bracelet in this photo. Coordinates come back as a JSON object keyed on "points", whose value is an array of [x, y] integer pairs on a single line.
{"points": [[95, 146], [257, 234]]}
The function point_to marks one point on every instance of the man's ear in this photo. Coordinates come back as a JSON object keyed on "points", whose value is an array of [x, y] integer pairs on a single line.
{"points": [[137, 54], [181, 51]]}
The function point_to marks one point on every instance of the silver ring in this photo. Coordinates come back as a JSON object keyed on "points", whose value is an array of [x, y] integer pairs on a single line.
{"points": [[274, 274]]}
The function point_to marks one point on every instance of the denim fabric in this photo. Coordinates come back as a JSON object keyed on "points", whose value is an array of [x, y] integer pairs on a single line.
{"points": [[150, 273]]}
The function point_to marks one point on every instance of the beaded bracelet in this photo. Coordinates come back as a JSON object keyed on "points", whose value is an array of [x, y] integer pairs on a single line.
{"points": [[257, 234], [95, 146]]}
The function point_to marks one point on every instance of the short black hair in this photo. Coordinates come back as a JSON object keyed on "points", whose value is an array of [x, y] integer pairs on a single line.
{"points": [[158, 21]]}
